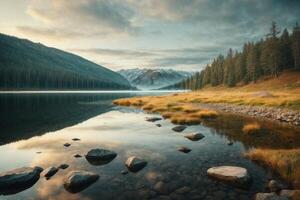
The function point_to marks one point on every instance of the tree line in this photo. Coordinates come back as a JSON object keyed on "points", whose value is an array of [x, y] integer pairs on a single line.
{"points": [[28, 65], [269, 56]]}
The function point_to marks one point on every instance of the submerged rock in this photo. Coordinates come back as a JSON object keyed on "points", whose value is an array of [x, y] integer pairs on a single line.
{"points": [[184, 149], [194, 136], [100, 156], [269, 196], [17, 180], [229, 143], [135, 164], [77, 156], [153, 119], [75, 139], [51, 171], [292, 194], [161, 188], [67, 144], [274, 186], [76, 181], [179, 128], [158, 125], [231, 174], [124, 172], [63, 166]]}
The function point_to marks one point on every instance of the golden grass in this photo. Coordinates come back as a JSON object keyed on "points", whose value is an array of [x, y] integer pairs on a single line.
{"points": [[178, 112], [285, 162], [251, 128]]}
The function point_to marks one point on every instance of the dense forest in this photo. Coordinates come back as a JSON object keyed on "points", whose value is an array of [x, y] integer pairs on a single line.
{"points": [[28, 65], [278, 51]]}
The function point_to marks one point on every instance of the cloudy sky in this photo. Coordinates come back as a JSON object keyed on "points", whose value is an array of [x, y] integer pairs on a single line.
{"points": [[178, 34]]}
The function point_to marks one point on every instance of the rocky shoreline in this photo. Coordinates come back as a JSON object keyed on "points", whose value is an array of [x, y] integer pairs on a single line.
{"points": [[290, 117]]}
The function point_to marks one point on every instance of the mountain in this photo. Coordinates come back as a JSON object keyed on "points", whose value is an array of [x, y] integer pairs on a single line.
{"points": [[28, 65], [153, 78]]}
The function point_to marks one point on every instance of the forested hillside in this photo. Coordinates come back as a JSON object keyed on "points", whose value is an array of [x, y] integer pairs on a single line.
{"points": [[278, 51], [28, 65]]}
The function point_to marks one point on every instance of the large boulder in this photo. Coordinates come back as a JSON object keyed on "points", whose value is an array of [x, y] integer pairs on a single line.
{"points": [[231, 174], [100, 156], [135, 164], [179, 128], [76, 181], [17, 180], [269, 196], [194, 136]]}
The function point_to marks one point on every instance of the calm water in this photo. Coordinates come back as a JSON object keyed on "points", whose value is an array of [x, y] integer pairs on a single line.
{"points": [[33, 123]]}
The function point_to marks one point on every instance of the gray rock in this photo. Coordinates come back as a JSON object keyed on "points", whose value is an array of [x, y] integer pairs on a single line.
{"points": [[231, 174], [161, 188], [153, 119], [17, 180], [184, 149], [135, 164], [67, 144], [179, 128], [269, 196], [63, 166], [124, 172], [100, 156], [194, 136], [76, 181], [50, 171], [274, 186], [183, 190]]}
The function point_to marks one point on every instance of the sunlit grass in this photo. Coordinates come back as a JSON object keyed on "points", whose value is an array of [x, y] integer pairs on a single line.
{"points": [[251, 128], [285, 162], [177, 112]]}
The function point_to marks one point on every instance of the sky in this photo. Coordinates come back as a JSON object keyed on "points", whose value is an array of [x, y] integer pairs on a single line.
{"points": [[121, 34]]}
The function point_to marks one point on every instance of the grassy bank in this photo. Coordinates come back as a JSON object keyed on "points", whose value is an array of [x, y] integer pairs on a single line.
{"points": [[281, 92], [285, 162]]}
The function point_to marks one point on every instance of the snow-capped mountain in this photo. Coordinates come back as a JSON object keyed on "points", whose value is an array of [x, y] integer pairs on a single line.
{"points": [[153, 78]]}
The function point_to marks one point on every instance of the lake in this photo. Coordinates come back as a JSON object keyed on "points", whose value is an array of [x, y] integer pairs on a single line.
{"points": [[34, 127]]}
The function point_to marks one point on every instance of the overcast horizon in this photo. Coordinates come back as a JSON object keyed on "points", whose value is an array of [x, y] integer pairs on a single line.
{"points": [[121, 34]]}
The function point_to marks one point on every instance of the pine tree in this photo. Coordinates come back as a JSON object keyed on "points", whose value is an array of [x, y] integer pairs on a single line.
{"points": [[286, 60], [296, 46], [273, 49]]}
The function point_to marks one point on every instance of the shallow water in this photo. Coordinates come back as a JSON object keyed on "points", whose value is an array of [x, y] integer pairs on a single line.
{"points": [[39, 123]]}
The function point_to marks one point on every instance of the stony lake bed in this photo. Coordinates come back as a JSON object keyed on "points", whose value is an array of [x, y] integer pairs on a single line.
{"points": [[168, 174]]}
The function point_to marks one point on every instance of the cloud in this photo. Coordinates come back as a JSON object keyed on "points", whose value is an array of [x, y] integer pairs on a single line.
{"points": [[94, 18], [165, 33], [184, 58]]}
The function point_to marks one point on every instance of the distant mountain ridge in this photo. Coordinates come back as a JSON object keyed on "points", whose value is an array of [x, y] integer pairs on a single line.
{"points": [[153, 78], [28, 65]]}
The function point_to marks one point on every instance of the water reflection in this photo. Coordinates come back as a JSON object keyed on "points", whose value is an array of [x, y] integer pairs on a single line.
{"points": [[26, 115], [272, 135], [126, 132]]}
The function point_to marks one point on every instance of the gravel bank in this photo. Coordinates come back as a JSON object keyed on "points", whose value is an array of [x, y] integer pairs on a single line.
{"points": [[278, 114]]}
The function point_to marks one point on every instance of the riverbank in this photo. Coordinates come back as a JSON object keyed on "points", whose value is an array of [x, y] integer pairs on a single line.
{"points": [[276, 105]]}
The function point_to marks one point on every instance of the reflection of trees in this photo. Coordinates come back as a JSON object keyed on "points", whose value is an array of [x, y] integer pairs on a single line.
{"points": [[272, 135], [26, 115]]}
